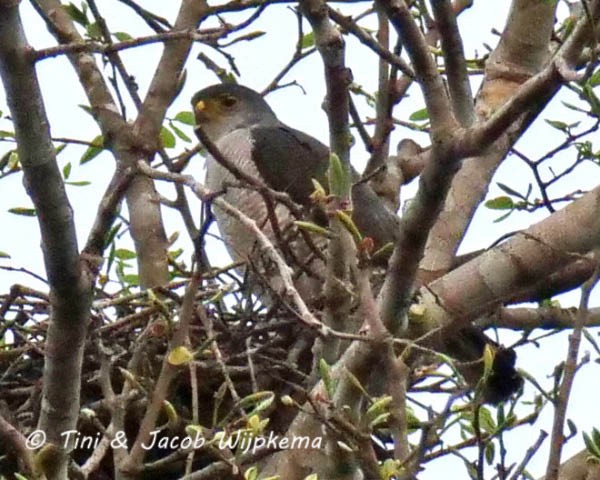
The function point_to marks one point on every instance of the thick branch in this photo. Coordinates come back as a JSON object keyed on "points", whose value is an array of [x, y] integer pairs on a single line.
{"points": [[145, 218], [480, 285], [521, 53], [426, 72], [70, 285]]}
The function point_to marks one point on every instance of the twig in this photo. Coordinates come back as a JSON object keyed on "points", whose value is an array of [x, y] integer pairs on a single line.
{"points": [[528, 456], [569, 370]]}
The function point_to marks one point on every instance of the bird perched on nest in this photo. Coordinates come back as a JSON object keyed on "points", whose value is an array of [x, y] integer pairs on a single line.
{"points": [[250, 137], [248, 134]]}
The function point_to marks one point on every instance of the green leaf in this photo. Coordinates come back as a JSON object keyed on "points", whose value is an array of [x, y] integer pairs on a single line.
{"points": [[4, 255], [259, 401], [562, 126], [6, 160], [93, 150], [419, 115], [594, 80], [13, 160], [510, 191], [167, 139], [93, 31], [122, 36], [180, 356], [339, 178], [180, 134], [308, 40], [110, 236], [76, 14], [381, 405], [573, 107], [171, 412], [325, 372], [596, 436], [60, 148], [504, 216], [124, 254], [486, 421], [500, 203], [379, 420], [26, 212], [79, 183], [349, 225], [87, 109], [592, 447], [67, 170], [6, 134], [489, 452], [174, 254], [592, 99], [131, 279], [251, 473], [488, 360], [185, 117], [313, 228], [389, 469]]}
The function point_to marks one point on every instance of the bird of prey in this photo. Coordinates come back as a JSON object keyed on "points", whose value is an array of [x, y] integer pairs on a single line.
{"points": [[249, 136]]}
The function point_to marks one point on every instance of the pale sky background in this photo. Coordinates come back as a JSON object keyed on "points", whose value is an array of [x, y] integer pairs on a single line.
{"points": [[63, 94]]}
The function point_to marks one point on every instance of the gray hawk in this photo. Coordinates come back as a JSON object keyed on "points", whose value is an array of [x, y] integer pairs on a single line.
{"points": [[240, 123]]}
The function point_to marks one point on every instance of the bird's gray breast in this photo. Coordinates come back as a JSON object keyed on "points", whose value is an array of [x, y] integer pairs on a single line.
{"points": [[237, 148]]}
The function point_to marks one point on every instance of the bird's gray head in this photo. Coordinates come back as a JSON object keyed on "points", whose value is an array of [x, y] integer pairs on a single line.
{"points": [[221, 109]]}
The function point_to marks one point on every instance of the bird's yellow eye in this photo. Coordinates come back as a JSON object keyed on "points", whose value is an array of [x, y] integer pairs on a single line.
{"points": [[228, 100]]}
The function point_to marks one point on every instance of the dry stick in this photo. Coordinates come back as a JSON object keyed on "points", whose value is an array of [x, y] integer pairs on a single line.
{"points": [[195, 408], [115, 60], [528, 456], [168, 372], [570, 368], [108, 48], [299, 54], [116, 405], [367, 40], [398, 379], [386, 87], [15, 443], [153, 20], [107, 210], [210, 333]]}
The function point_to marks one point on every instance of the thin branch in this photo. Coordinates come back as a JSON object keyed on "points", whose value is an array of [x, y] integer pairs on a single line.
{"points": [[568, 375], [454, 60], [350, 25], [167, 374]]}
